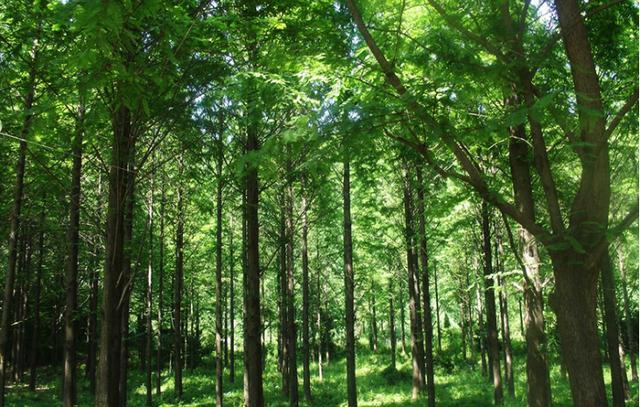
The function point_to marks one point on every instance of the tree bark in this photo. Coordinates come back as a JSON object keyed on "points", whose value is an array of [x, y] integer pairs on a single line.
{"points": [[349, 282], [417, 348], [426, 298], [177, 294], [618, 375], [506, 338], [291, 340], [490, 307], [306, 373], [438, 328], [159, 351], [232, 321], [219, 300], [14, 222], [37, 287], [71, 276]]}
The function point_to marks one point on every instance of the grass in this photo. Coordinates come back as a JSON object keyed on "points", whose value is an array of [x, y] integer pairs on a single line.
{"points": [[377, 386]]}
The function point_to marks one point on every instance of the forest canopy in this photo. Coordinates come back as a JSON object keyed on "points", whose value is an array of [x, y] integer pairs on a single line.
{"points": [[319, 203]]}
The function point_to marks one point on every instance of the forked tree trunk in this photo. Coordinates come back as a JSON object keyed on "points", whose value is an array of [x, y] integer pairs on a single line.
{"points": [[349, 282]]}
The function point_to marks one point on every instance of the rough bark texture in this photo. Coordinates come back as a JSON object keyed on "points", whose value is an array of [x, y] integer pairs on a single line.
{"points": [[417, 348], [426, 298], [306, 374], [618, 375], [352, 398], [490, 308], [69, 388]]}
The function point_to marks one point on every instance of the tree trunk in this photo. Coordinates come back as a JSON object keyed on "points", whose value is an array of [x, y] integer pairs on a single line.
{"points": [[349, 282], [618, 375], [506, 338], [374, 322], [14, 222], [71, 276], [490, 307], [253, 325], [627, 317], [159, 351], [435, 285], [219, 333], [426, 298], [149, 300], [37, 286], [319, 317], [232, 309], [481, 331], [290, 300], [417, 348], [283, 349], [392, 327], [306, 374], [177, 294]]}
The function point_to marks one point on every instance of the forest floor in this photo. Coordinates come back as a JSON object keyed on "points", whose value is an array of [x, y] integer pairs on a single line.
{"points": [[377, 386]]}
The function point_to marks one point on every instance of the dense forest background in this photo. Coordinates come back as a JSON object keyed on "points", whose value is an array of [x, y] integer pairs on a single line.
{"points": [[292, 202]]}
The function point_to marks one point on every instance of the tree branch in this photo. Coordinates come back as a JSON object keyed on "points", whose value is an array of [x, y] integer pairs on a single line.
{"points": [[629, 103]]}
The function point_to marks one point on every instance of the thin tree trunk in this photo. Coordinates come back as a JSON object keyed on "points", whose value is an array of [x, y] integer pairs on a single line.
{"points": [[71, 276], [435, 286], [426, 298], [177, 294], [618, 376], [627, 317], [506, 338], [403, 341], [283, 349], [306, 373], [232, 321], [219, 333], [93, 312], [290, 300], [349, 282], [374, 322], [14, 222], [33, 354], [490, 307], [319, 314], [392, 327], [149, 300], [159, 352]]}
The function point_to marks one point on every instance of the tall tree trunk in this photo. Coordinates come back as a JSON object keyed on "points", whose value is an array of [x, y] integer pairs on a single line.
{"points": [[177, 294], [481, 331], [435, 286], [490, 307], [319, 313], [159, 351], [426, 298], [392, 327], [219, 162], [403, 335], [506, 338], [253, 325], [232, 305], [149, 300], [349, 282], [631, 342], [37, 287], [71, 276], [417, 348], [283, 349], [92, 333], [290, 300], [374, 322], [618, 376], [108, 384], [306, 373], [14, 222]]}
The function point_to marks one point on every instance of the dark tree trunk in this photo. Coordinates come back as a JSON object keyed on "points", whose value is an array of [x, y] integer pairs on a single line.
{"points": [[506, 338], [319, 315], [417, 348], [253, 324], [618, 375], [481, 331], [403, 335], [374, 322], [37, 286], [291, 340], [71, 276], [306, 374], [283, 349], [349, 282], [392, 327], [14, 222], [627, 318], [219, 333], [93, 315], [490, 307], [108, 391], [435, 286], [177, 295], [426, 298]]}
